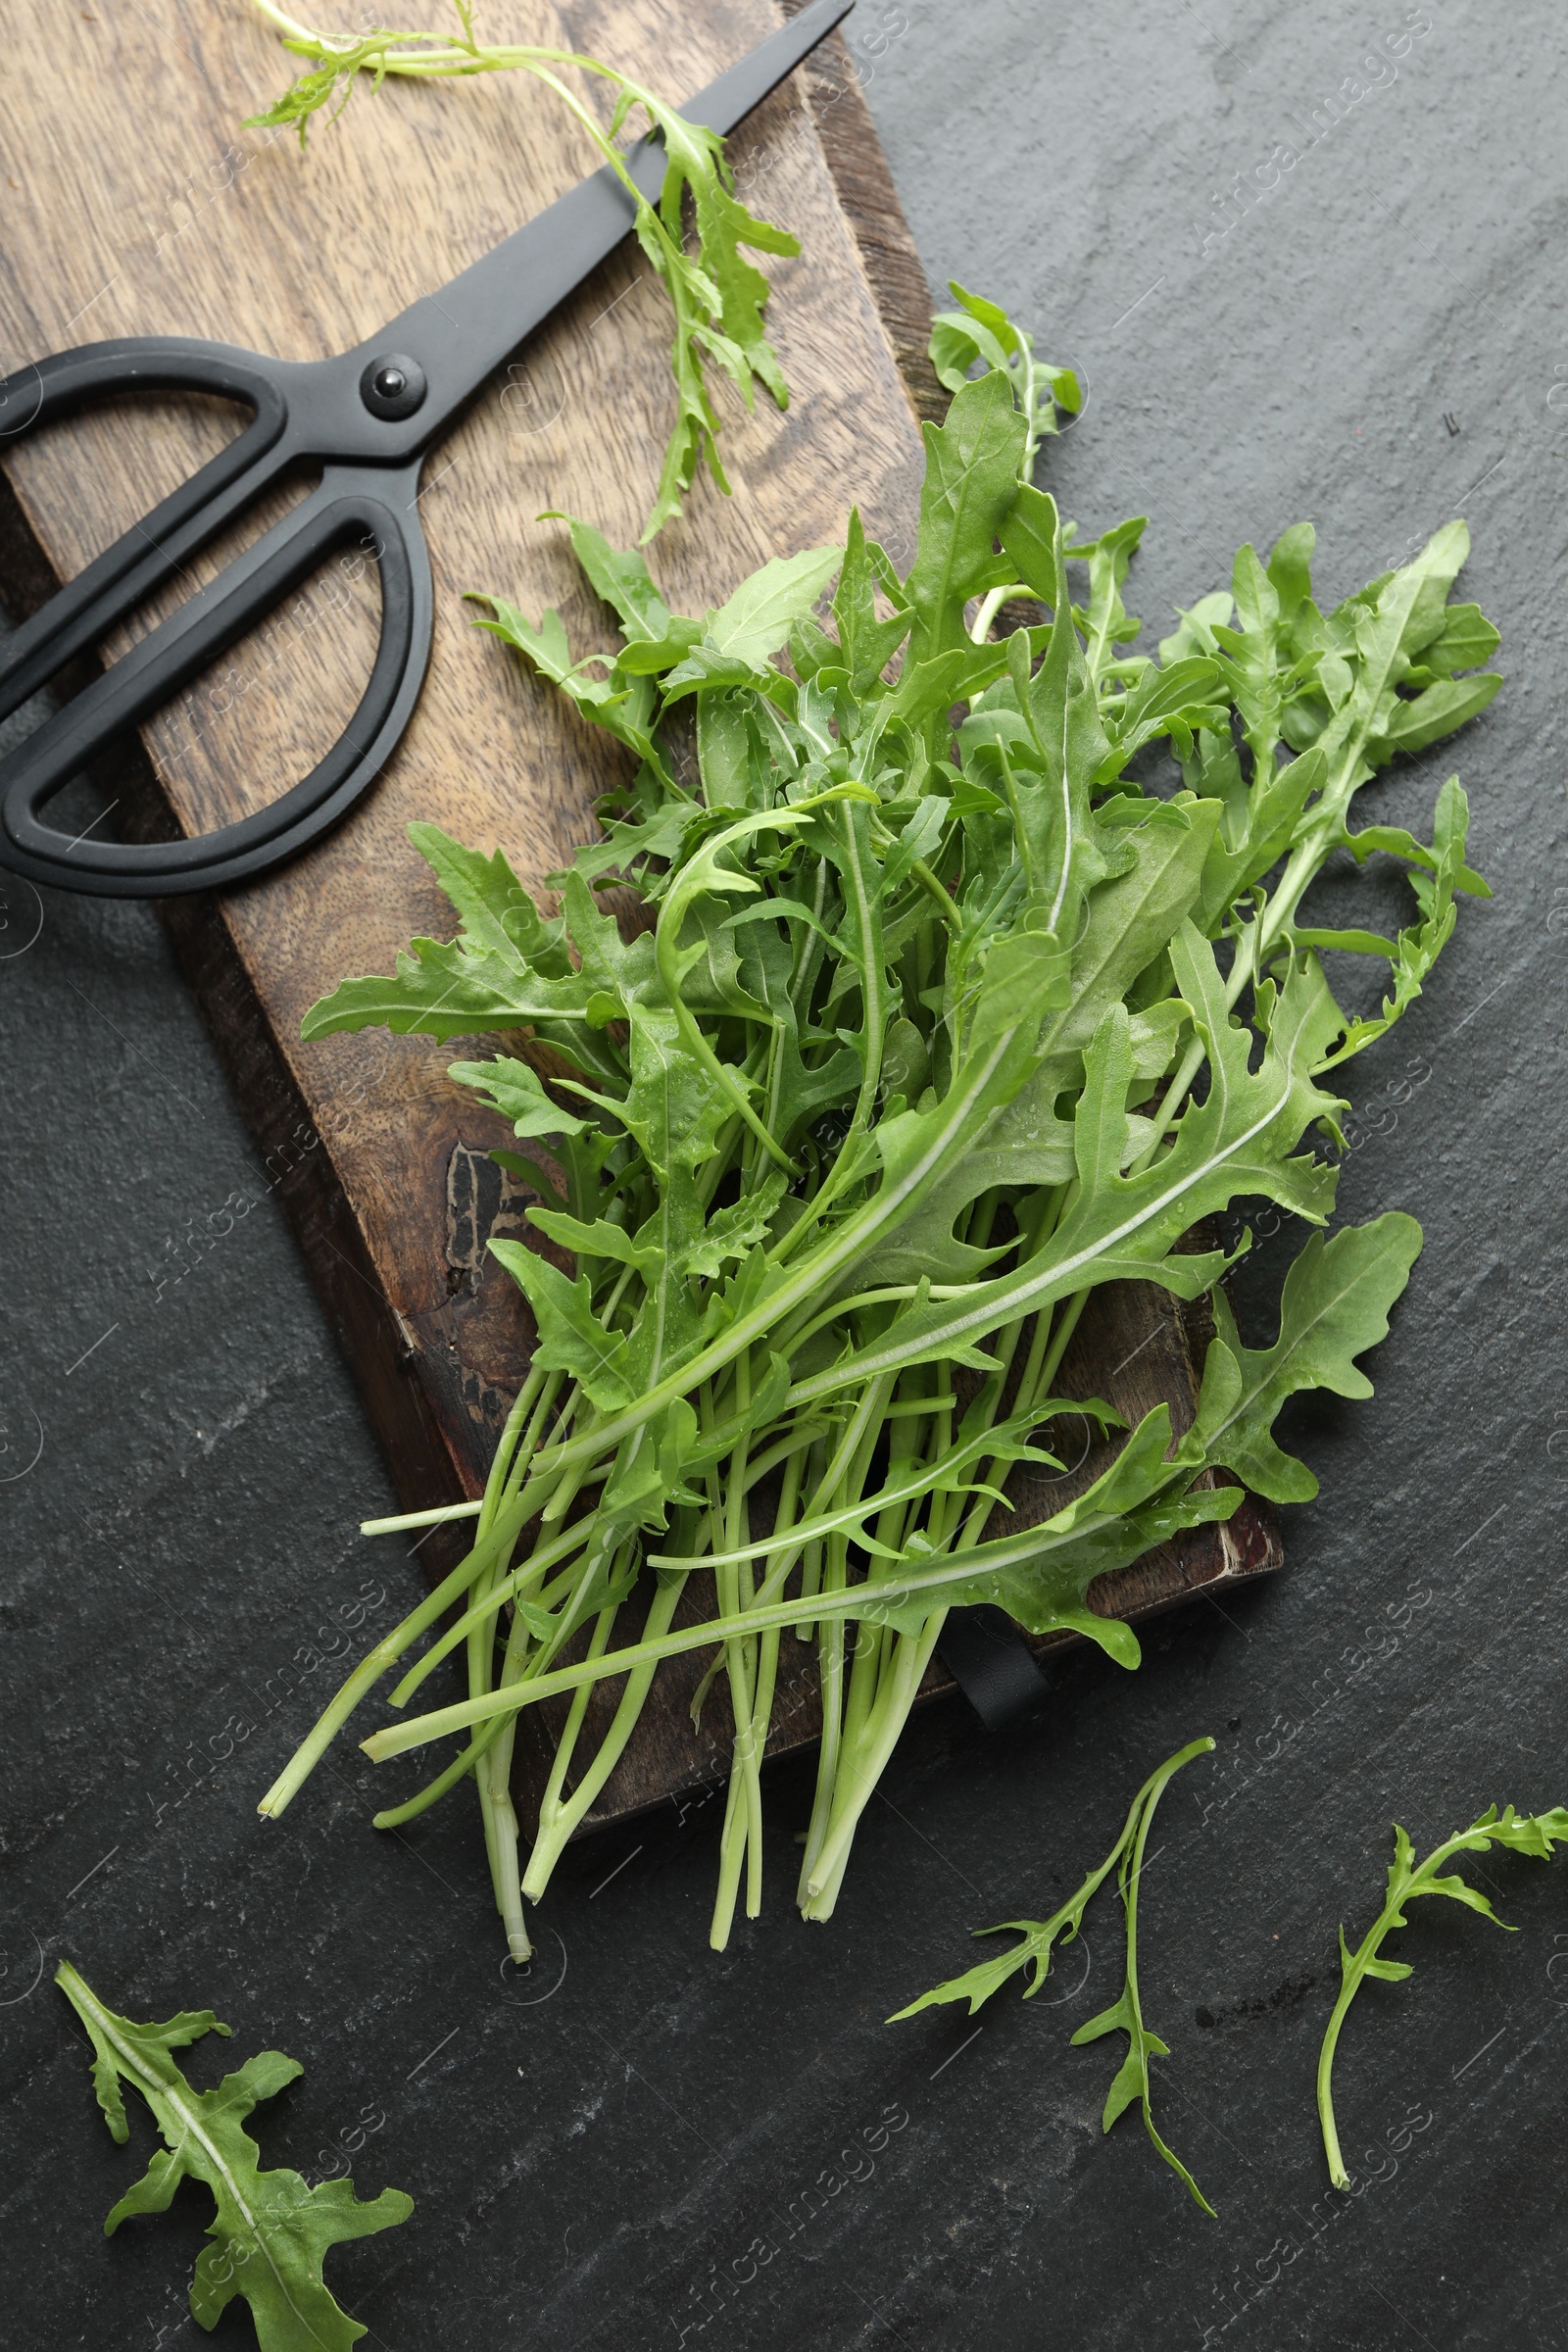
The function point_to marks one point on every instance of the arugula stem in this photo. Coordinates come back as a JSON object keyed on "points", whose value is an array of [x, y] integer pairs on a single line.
{"points": [[363, 1681], [568, 1818], [833, 1601], [857, 1773], [393, 1817], [830, 1668], [1407, 1881], [404, 1520], [939, 897], [991, 605], [741, 1662], [518, 1585], [551, 1802]]}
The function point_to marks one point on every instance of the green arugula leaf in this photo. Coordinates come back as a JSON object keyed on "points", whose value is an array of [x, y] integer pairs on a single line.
{"points": [[1335, 1305], [1535, 1834], [620, 576], [621, 702], [716, 295], [971, 485], [758, 618], [495, 913], [1126, 2016], [445, 990], [980, 333], [1436, 879], [571, 1337], [270, 2231], [514, 1089], [738, 640], [867, 643]]}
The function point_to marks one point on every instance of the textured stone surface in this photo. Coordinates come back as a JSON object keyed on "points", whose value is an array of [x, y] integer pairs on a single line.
{"points": [[1374, 345]]}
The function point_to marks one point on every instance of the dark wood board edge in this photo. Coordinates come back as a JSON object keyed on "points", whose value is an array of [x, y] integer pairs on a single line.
{"points": [[853, 155]]}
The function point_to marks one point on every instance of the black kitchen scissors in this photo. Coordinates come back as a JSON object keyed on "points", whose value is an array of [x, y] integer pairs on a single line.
{"points": [[367, 418]]}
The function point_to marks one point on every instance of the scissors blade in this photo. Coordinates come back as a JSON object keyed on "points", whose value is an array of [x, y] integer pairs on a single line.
{"points": [[461, 334]]}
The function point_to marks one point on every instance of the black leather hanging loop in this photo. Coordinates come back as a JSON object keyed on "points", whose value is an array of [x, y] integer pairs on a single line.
{"points": [[992, 1663]]}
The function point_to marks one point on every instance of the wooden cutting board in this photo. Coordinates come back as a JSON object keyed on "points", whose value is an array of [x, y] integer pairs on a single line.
{"points": [[135, 203]]}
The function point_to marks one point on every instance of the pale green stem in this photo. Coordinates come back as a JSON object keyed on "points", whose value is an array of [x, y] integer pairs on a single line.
{"points": [[549, 1804], [393, 1817], [836, 1604], [865, 1767], [991, 605], [568, 1818], [1353, 1972], [742, 1822], [830, 1668]]}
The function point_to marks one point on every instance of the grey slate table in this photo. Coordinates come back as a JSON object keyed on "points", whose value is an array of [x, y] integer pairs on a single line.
{"points": [[1374, 334]]}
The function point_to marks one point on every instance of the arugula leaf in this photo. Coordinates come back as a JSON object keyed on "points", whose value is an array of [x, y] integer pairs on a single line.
{"points": [[1126, 2016], [867, 643], [757, 619], [971, 485], [514, 1089], [979, 333], [269, 2229], [620, 576], [447, 989], [1438, 876], [1534, 1833], [571, 1337], [716, 295], [1335, 1305]]}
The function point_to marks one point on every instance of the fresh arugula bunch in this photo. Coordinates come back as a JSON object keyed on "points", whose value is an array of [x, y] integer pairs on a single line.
{"points": [[270, 2231], [955, 1002], [1125, 2016], [1524, 1834], [716, 294]]}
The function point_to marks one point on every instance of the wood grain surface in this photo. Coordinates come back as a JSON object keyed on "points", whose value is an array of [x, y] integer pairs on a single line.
{"points": [[135, 203]]}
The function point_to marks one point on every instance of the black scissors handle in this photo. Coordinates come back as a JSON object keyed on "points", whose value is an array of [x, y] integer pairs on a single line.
{"points": [[367, 418], [371, 506], [153, 550]]}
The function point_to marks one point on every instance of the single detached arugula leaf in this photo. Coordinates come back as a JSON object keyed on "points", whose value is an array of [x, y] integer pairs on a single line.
{"points": [[1127, 2016], [1534, 1833], [715, 293], [1126, 1859], [271, 2230]]}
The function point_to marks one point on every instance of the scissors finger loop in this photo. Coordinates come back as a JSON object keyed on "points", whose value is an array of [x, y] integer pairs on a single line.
{"points": [[153, 550], [377, 512]]}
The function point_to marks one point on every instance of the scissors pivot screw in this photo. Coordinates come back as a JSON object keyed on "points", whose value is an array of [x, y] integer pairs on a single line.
{"points": [[393, 386]]}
